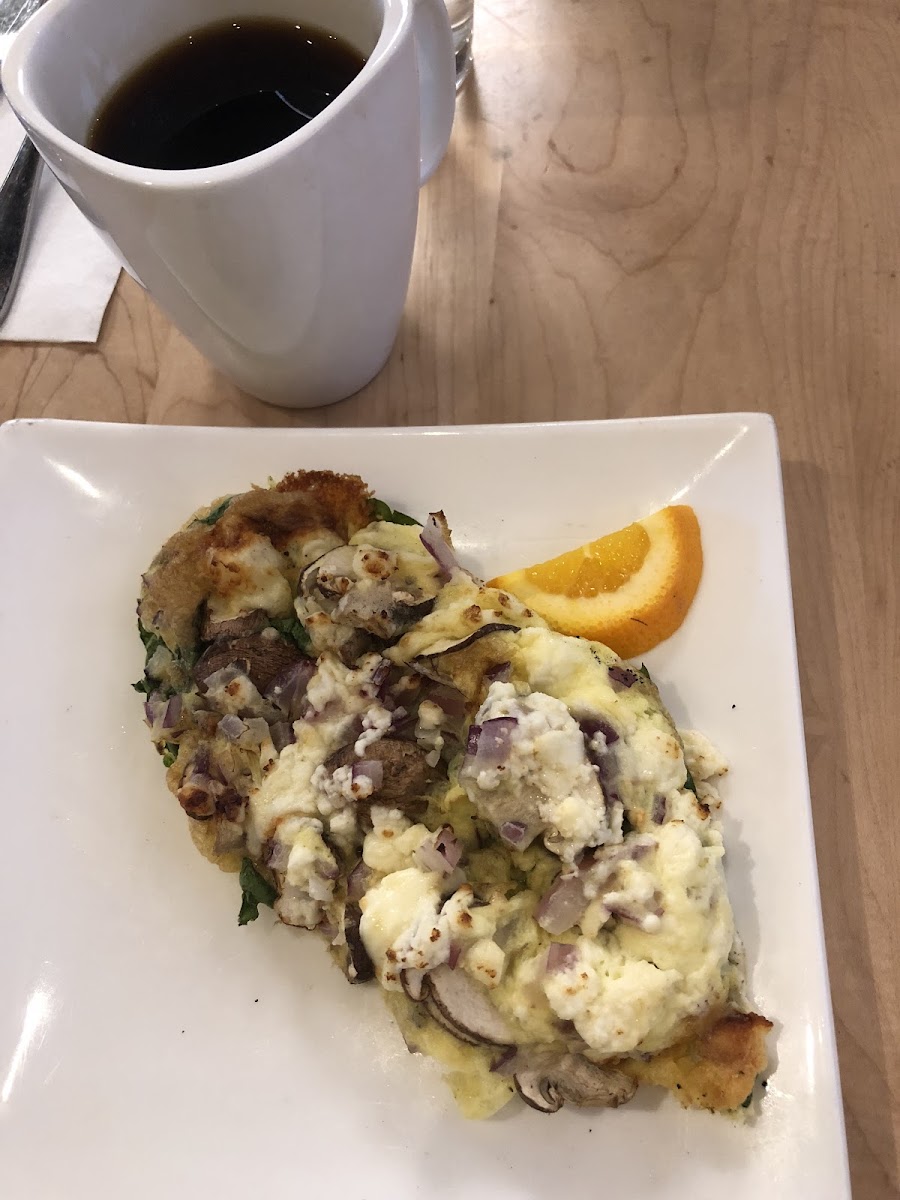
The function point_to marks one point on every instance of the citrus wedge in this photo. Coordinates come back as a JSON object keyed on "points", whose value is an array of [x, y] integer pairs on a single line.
{"points": [[630, 589]]}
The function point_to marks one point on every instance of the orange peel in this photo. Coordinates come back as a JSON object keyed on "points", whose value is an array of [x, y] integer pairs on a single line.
{"points": [[630, 589]]}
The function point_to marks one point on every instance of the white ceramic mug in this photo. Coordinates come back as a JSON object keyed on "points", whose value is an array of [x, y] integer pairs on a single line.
{"points": [[289, 268]]}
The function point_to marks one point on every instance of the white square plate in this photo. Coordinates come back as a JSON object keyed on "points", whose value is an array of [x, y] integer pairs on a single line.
{"points": [[149, 1047]]}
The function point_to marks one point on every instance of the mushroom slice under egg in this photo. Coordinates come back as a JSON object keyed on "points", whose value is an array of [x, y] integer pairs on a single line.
{"points": [[465, 1008], [546, 1086], [405, 777], [361, 587]]}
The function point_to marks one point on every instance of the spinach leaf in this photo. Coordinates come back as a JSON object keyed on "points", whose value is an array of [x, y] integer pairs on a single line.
{"points": [[212, 517], [152, 641], [746, 1103], [293, 629], [254, 891], [171, 753], [689, 783], [144, 686], [642, 670], [384, 512]]}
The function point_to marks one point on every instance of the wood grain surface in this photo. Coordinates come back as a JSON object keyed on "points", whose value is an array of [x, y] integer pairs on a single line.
{"points": [[653, 208]]}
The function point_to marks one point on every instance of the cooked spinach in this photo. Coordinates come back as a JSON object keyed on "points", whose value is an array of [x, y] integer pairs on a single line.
{"points": [[213, 516], [255, 890], [384, 512], [292, 629]]}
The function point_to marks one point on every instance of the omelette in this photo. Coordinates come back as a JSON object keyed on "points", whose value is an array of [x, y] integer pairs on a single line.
{"points": [[496, 824]]}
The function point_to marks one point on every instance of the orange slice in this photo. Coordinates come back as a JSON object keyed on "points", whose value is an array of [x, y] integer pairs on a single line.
{"points": [[630, 590]]}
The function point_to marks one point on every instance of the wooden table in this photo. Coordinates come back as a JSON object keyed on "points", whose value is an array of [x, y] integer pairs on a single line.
{"points": [[664, 208]]}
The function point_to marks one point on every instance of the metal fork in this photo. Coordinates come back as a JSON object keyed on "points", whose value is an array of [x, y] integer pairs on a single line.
{"points": [[19, 189]]}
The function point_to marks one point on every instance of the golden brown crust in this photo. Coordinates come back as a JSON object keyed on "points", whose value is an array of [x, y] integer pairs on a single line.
{"points": [[715, 1068], [346, 498], [304, 505]]}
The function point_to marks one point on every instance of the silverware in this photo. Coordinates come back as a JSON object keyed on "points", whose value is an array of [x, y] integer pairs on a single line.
{"points": [[19, 190]]}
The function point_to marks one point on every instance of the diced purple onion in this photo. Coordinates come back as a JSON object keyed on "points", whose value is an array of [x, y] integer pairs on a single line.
{"points": [[173, 711], [453, 956], [561, 957], [562, 906], [282, 734], [448, 847], [435, 542], [231, 727], [229, 836], [154, 705], [288, 688], [276, 854], [495, 741], [591, 726], [472, 740], [357, 881], [660, 809], [622, 677], [499, 673], [442, 853], [628, 915], [513, 832], [371, 769], [327, 930], [380, 674], [449, 699]]}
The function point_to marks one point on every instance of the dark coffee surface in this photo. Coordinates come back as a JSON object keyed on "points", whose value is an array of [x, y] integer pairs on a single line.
{"points": [[221, 93]]}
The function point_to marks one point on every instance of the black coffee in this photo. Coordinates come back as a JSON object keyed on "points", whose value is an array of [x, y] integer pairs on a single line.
{"points": [[221, 93]]}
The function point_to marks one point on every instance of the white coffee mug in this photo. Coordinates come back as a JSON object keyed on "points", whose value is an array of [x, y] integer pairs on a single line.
{"points": [[289, 268]]}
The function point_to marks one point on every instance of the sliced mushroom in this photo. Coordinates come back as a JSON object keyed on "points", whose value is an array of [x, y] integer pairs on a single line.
{"points": [[358, 967], [243, 626], [406, 776], [452, 646], [467, 1008], [413, 983], [365, 591], [546, 1086], [261, 658], [440, 1018]]}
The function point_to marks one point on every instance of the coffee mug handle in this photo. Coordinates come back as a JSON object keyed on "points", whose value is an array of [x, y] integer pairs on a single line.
{"points": [[437, 82]]}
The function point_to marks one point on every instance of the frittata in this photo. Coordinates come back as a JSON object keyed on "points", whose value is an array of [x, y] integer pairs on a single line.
{"points": [[497, 824]]}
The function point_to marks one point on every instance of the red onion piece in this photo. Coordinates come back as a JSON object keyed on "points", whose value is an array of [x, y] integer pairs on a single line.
{"points": [[591, 726], [357, 881], [453, 956], [449, 699], [495, 741], [561, 957], [380, 674], [442, 853], [288, 688], [435, 542], [448, 847], [499, 673], [231, 727], [282, 734], [173, 712], [371, 769], [621, 677], [276, 854], [229, 836], [562, 906], [472, 740], [660, 810], [621, 913], [513, 832]]}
